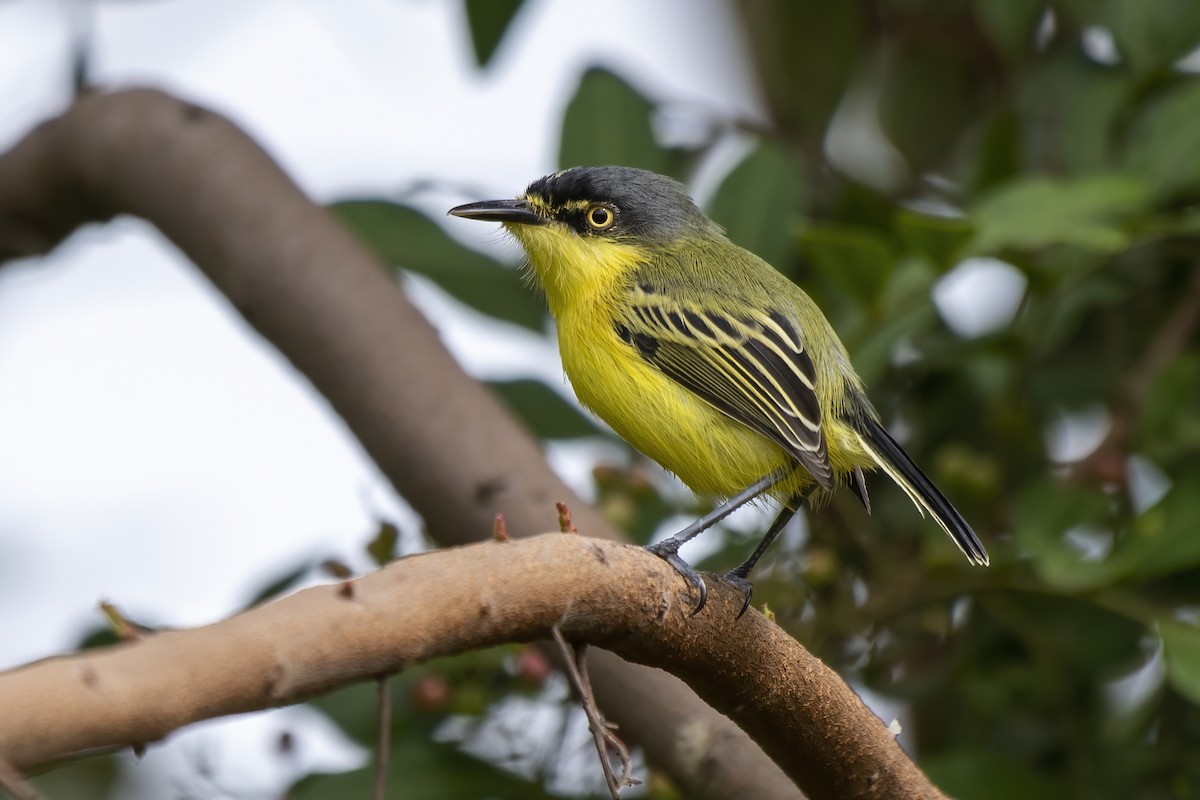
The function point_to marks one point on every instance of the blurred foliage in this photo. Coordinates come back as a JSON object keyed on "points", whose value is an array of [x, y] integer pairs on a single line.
{"points": [[420, 766], [84, 779], [402, 235], [608, 122], [1056, 136], [488, 21]]}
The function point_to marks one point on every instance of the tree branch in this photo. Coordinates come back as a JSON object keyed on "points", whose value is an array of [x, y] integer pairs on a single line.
{"points": [[312, 290], [436, 604], [334, 311]]}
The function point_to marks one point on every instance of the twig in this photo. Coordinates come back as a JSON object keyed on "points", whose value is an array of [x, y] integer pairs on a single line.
{"points": [[122, 626], [13, 782], [565, 523], [603, 731], [385, 737]]}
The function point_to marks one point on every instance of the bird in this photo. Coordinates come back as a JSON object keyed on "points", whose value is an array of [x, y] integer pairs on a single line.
{"points": [[703, 356]]}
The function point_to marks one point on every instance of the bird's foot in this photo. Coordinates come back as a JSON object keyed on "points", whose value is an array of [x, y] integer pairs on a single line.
{"points": [[668, 551], [741, 582]]}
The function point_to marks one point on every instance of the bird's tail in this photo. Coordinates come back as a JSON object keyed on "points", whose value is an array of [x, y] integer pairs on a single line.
{"points": [[892, 459]]}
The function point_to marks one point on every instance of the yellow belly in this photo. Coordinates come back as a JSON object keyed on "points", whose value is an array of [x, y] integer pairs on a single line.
{"points": [[714, 455]]}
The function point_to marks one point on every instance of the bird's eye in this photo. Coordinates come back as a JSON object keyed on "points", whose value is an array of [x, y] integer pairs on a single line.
{"points": [[600, 218]]}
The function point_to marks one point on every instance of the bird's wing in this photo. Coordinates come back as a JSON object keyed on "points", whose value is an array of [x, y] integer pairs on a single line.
{"points": [[748, 363]]}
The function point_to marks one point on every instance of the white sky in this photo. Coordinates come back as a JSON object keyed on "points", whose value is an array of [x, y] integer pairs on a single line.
{"points": [[153, 451]]}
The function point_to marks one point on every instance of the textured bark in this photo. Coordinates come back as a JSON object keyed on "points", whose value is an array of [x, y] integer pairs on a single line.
{"points": [[422, 607]]}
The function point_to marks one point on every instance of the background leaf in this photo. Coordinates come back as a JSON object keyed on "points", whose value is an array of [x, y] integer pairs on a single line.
{"points": [[807, 52], [857, 259], [1162, 145], [488, 21], [544, 411], [1150, 34], [1181, 652], [608, 122], [406, 238], [1037, 212], [759, 201], [940, 239]]}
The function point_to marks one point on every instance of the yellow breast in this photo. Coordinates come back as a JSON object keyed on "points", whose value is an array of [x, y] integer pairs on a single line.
{"points": [[711, 453], [583, 279]]}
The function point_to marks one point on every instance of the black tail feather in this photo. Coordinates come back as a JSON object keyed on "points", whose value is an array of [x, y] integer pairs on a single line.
{"points": [[916, 484]]}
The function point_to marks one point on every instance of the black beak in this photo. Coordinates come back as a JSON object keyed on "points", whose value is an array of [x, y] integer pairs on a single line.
{"points": [[513, 212]]}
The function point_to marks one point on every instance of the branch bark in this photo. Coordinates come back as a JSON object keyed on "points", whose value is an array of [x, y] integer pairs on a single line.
{"points": [[308, 287], [422, 607]]}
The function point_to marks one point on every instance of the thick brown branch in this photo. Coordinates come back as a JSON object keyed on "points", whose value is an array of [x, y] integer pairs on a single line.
{"points": [[332, 309], [443, 441], [617, 596]]}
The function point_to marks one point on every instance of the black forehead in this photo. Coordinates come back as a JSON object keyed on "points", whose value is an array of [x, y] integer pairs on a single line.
{"points": [[650, 204], [612, 184]]}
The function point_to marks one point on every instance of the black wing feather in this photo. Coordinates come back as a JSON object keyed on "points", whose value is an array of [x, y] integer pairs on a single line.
{"points": [[750, 366]]}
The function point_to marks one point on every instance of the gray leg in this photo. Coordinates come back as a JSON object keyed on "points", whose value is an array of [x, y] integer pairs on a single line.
{"points": [[668, 549], [739, 576]]}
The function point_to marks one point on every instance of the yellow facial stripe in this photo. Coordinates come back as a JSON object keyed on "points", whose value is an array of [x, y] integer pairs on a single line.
{"points": [[541, 206], [574, 269]]}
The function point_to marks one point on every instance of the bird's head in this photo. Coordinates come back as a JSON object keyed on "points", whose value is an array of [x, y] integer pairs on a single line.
{"points": [[585, 227]]}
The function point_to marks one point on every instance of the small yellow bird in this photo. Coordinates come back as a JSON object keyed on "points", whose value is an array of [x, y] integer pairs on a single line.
{"points": [[701, 355]]}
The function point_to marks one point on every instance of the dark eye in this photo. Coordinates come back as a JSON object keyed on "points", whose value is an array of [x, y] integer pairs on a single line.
{"points": [[601, 218]]}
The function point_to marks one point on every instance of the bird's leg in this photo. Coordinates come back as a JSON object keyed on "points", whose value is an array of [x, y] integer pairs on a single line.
{"points": [[668, 549], [739, 576]]}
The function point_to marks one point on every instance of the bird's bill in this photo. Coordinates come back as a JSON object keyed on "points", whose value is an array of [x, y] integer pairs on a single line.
{"points": [[514, 212]]}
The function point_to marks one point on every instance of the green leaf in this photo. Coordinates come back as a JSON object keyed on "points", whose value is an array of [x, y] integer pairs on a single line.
{"points": [[419, 769], [1079, 113], [1045, 514], [1154, 34], [1163, 538], [1010, 25], [903, 312], [857, 259], [406, 238], [1052, 325], [1162, 145], [759, 201], [488, 21], [928, 97], [545, 412], [280, 584], [1091, 107], [355, 708], [998, 158], [608, 122], [1160, 541], [1150, 34], [808, 52], [92, 778], [1165, 429], [939, 239], [382, 548], [1073, 631], [1181, 652], [982, 774], [1035, 212]]}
